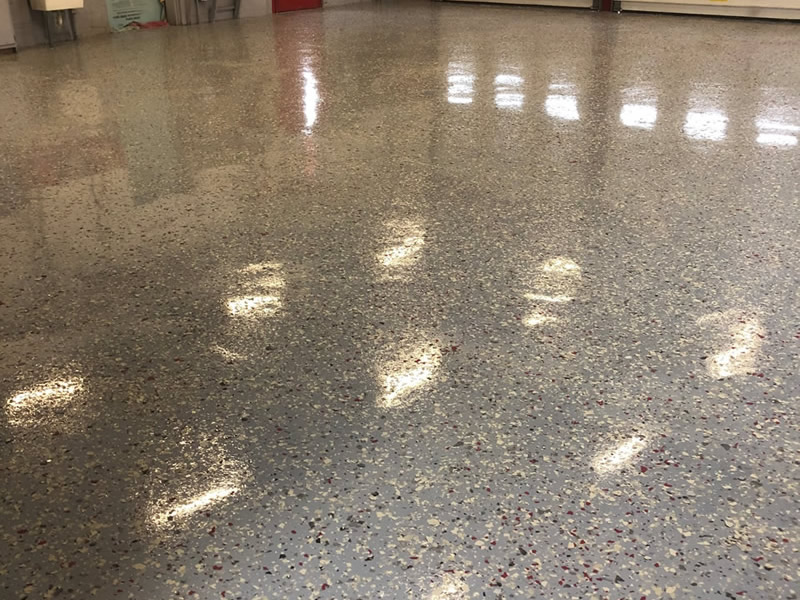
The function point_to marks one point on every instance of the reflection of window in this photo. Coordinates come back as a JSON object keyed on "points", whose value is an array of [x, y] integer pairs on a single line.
{"points": [[508, 91], [705, 125], [774, 133], [638, 115], [562, 104], [460, 83]]}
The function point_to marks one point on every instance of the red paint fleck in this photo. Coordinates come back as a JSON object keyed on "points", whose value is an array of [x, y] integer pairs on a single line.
{"points": [[217, 567], [325, 586], [643, 469]]}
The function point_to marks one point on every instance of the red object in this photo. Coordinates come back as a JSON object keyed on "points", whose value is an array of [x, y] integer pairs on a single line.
{"points": [[287, 5]]}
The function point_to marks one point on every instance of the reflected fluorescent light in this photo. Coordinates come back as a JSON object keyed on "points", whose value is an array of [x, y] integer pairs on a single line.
{"points": [[638, 115], [562, 106], [310, 99], [270, 281], [560, 277], [744, 335], [399, 384], [561, 265], [509, 80], [249, 305], [776, 139], [460, 89], [740, 358], [50, 394], [194, 504], [545, 298], [539, 319], [507, 91], [268, 277], [767, 125], [410, 235], [508, 100], [255, 268], [404, 254], [450, 588], [227, 354], [618, 456], [705, 125], [460, 83]]}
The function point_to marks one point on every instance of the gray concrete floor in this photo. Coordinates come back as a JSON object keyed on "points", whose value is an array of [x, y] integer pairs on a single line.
{"points": [[408, 300]]}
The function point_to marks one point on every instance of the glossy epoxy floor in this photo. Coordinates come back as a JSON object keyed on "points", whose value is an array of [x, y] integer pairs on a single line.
{"points": [[402, 301]]}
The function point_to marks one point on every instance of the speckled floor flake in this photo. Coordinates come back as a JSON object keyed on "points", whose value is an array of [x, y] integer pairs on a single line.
{"points": [[403, 300]]}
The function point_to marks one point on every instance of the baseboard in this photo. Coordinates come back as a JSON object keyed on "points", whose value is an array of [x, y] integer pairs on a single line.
{"points": [[560, 3], [720, 9]]}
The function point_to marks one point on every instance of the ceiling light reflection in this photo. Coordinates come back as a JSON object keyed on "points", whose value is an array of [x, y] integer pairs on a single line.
{"points": [[539, 318], [561, 265], [460, 83], [255, 268], [742, 335], [706, 125], [638, 115], [767, 125], [310, 99], [450, 588], [562, 105], [507, 91], [227, 354], [508, 80], [619, 455], [739, 358], [408, 237], [776, 139], [263, 283], [406, 377], [253, 305], [545, 298], [403, 254], [194, 504], [26, 404]]}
